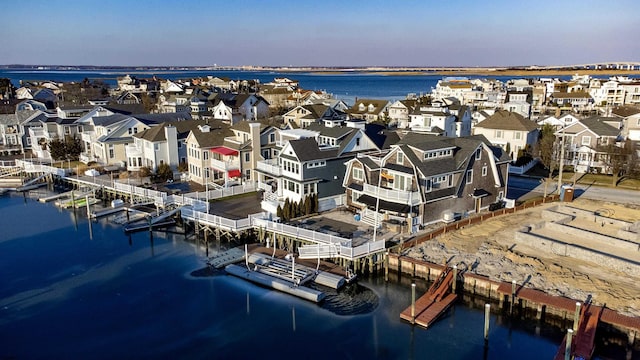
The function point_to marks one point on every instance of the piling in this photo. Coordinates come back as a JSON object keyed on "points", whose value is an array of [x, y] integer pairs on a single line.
{"points": [[513, 295], [567, 345], [576, 317], [455, 279], [413, 303], [487, 312], [386, 266], [88, 208]]}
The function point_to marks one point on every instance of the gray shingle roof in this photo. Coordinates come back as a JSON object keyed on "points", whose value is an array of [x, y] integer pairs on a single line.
{"points": [[506, 120], [601, 128]]}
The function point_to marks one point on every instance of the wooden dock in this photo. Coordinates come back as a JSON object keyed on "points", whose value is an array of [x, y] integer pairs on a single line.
{"points": [[430, 306], [582, 343]]}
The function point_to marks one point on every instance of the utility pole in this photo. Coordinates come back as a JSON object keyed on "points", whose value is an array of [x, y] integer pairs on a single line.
{"points": [[561, 161]]}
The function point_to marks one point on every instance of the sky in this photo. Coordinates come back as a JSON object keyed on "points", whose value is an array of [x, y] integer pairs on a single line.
{"points": [[318, 33]]}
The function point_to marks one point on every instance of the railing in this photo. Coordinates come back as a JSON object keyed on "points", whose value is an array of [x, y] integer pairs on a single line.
{"points": [[87, 158], [270, 166], [158, 197], [225, 165], [397, 196], [30, 167], [88, 136], [224, 192], [133, 151], [300, 233], [7, 163], [217, 221], [519, 170]]}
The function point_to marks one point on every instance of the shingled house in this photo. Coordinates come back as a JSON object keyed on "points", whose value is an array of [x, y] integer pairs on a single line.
{"points": [[425, 179]]}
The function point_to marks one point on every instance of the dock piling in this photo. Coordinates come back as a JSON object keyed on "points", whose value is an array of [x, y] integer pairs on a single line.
{"points": [[413, 303], [455, 279], [576, 317], [513, 295], [487, 312], [567, 345], [386, 266]]}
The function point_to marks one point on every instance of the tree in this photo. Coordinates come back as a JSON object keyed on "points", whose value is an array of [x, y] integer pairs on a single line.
{"points": [[67, 149], [618, 159], [164, 172], [57, 149], [544, 147]]}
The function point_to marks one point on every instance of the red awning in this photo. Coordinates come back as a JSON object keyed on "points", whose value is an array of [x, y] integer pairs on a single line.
{"points": [[224, 150], [234, 173]]}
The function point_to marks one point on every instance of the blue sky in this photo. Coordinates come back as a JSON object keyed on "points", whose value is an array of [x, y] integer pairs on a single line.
{"points": [[318, 33]]}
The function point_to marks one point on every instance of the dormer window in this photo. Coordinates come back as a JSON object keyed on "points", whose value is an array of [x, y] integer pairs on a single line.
{"points": [[361, 107], [371, 107]]}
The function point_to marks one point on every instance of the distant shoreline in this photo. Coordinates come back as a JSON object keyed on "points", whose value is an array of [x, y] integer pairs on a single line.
{"points": [[482, 72]]}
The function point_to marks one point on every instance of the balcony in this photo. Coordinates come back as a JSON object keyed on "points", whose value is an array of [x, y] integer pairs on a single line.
{"points": [[270, 166], [133, 151], [86, 158], [88, 136], [396, 196], [225, 165]]}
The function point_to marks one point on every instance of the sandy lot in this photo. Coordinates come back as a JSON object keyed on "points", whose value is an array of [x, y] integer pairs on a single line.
{"points": [[488, 249]]}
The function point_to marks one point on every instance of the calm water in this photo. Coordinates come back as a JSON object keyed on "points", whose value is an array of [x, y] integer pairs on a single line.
{"points": [[66, 294]]}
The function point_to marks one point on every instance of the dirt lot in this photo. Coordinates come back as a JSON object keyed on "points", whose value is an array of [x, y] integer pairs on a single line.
{"points": [[488, 249]]}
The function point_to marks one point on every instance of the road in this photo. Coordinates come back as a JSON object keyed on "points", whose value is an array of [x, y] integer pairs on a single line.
{"points": [[523, 188]]}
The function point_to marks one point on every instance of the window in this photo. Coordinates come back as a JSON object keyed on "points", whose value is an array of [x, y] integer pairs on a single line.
{"points": [[499, 134], [517, 135], [469, 176], [500, 195], [586, 140], [358, 174], [358, 141], [205, 155], [484, 170], [247, 174], [155, 147], [400, 158], [478, 154], [247, 157], [272, 138], [399, 182], [111, 152]]}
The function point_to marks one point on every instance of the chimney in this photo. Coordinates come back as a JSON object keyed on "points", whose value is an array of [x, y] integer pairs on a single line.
{"points": [[254, 131]]}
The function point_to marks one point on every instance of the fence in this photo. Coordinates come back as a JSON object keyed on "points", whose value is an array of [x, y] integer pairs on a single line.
{"points": [[519, 170], [476, 219], [224, 192]]}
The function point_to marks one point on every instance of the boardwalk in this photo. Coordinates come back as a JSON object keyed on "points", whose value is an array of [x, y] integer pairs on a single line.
{"points": [[430, 306]]}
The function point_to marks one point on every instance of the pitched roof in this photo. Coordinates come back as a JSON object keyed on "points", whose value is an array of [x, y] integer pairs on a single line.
{"points": [[506, 120], [215, 137], [157, 133], [626, 111], [244, 126], [600, 127], [307, 149]]}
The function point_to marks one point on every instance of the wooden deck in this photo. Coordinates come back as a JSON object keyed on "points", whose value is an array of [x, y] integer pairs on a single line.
{"points": [[430, 306]]}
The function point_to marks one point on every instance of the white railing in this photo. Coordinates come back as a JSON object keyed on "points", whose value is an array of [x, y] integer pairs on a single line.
{"points": [[225, 165], [87, 136], [224, 192], [133, 151], [397, 196], [158, 197], [7, 163], [270, 166], [300, 233], [519, 170], [30, 167], [332, 202], [217, 221]]}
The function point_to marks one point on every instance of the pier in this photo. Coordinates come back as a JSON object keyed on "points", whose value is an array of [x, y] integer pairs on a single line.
{"points": [[428, 308], [583, 334]]}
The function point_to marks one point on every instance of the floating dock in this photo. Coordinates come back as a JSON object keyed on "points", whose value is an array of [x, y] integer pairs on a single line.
{"points": [[223, 259], [144, 225], [64, 195], [429, 307], [275, 283], [78, 203]]}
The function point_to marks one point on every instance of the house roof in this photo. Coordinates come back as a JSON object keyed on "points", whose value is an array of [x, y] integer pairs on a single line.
{"points": [[336, 132], [506, 120], [307, 149], [378, 106], [600, 127], [626, 111], [244, 126], [215, 137], [157, 133], [571, 95]]}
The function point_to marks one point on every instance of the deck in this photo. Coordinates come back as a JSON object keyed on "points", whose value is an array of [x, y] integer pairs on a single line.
{"points": [[435, 302]]}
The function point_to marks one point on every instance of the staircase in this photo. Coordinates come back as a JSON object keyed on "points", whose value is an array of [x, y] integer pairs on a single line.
{"points": [[369, 217]]}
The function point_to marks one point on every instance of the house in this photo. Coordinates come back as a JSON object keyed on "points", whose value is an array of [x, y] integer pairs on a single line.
{"points": [[631, 117], [453, 87], [399, 112], [12, 132], [510, 131], [369, 110], [425, 179], [557, 123], [105, 137], [585, 143], [518, 102], [305, 115], [164, 143], [200, 143], [579, 99], [243, 106], [312, 161]]}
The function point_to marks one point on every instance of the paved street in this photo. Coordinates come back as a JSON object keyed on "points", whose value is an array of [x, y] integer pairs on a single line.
{"points": [[523, 188]]}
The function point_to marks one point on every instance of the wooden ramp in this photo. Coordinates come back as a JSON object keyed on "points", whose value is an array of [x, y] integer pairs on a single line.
{"points": [[582, 344], [430, 306]]}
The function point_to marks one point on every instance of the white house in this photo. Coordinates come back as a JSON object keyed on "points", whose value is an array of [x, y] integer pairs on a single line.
{"points": [[511, 131]]}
